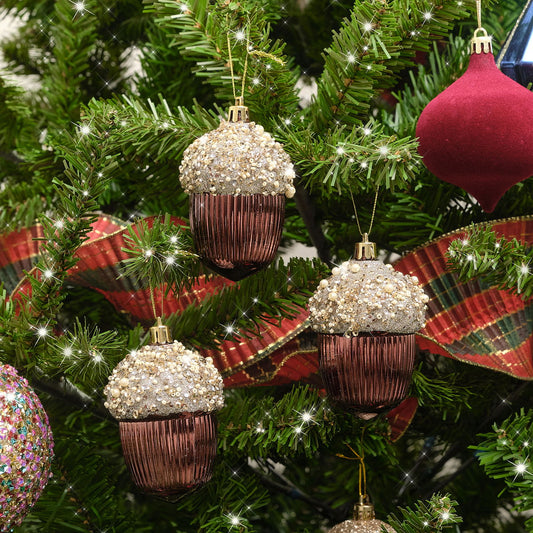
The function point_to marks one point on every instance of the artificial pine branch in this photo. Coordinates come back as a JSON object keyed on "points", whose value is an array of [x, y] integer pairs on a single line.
{"points": [[505, 454], [237, 311], [497, 261], [161, 256], [73, 37], [436, 515], [201, 29], [370, 50]]}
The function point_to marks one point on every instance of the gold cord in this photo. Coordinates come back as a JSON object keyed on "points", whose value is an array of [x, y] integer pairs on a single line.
{"points": [[231, 68], [373, 212], [245, 71], [362, 467], [152, 300], [478, 8], [503, 51]]}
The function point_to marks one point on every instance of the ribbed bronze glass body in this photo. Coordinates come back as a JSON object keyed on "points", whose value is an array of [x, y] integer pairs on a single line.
{"points": [[169, 456], [236, 235], [368, 373]]}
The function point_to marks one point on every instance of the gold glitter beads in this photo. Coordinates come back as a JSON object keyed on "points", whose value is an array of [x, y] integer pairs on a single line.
{"points": [[162, 380], [361, 526], [237, 158], [367, 296]]}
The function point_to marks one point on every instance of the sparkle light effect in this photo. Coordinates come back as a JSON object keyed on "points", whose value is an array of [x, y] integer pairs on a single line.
{"points": [[67, 351], [79, 7], [84, 129], [384, 150], [42, 332], [520, 468]]}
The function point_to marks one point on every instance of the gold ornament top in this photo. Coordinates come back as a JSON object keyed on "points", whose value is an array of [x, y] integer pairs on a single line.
{"points": [[363, 511], [365, 249], [239, 112], [481, 43], [161, 380], [367, 296], [160, 334]]}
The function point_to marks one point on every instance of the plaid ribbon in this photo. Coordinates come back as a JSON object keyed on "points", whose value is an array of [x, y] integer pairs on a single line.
{"points": [[471, 322]]}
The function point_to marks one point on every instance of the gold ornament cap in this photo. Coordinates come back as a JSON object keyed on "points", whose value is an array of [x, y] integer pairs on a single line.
{"points": [[363, 510], [481, 44], [160, 333], [365, 250], [239, 112]]}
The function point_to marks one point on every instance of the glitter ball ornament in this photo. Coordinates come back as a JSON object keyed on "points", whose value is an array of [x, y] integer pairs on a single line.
{"points": [[477, 133], [363, 522], [26, 448], [164, 396], [238, 177], [366, 315]]}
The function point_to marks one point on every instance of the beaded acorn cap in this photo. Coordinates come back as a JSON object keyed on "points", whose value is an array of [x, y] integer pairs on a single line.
{"points": [[367, 296], [161, 380], [237, 158]]}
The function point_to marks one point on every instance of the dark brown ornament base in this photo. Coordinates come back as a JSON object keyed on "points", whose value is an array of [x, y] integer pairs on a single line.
{"points": [[167, 457], [236, 235], [369, 373]]}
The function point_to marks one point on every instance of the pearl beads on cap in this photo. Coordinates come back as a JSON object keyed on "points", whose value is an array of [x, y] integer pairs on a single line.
{"points": [[367, 296], [237, 158], [162, 380]]}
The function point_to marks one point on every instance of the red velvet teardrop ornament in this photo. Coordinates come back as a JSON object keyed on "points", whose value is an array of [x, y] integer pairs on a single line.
{"points": [[478, 133]]}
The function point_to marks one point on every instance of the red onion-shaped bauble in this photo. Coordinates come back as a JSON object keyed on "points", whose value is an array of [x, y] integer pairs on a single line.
{"points": [[237, 235], [478, 134], [368, 373], [170, 456]]}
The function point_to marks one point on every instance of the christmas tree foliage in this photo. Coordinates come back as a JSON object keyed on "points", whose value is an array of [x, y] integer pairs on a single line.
{"points": [[119, 91]]}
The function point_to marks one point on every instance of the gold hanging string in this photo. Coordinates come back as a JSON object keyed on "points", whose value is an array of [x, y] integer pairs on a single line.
{"points": [[373, 212], [362, 468], [230, 57], [152, 300], [231, 68], [505, 47], [478, 9], [245, 69]]}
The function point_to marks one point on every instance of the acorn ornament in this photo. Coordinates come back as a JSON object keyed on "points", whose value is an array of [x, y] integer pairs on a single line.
{"points": [[164, 397], [477, 133], [238, 177], [363, 521], [366, 315], [26, 448]]}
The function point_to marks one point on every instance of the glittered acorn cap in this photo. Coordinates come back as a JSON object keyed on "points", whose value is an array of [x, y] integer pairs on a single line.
{"points": [[162, 380], [367, 296], [239, 157]]}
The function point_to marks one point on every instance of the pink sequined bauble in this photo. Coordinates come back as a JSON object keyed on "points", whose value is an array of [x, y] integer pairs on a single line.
{"points": [[26, 448]]}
